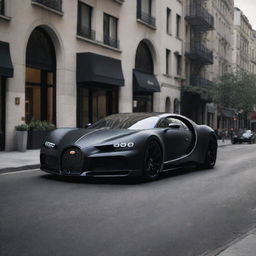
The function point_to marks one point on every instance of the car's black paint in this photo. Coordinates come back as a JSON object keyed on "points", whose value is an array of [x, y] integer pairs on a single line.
{"points": [[97, 152]]}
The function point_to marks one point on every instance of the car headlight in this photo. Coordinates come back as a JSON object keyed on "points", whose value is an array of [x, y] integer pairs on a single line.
{"points": [[123, 145], [49, 144]]}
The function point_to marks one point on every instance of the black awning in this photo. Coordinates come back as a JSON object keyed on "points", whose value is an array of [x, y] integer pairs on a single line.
{"points": [[144, 82], [94, 68], [6, 67]]}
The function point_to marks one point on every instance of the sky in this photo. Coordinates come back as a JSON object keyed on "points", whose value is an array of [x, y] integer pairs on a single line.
{"points": [[249, 9]]}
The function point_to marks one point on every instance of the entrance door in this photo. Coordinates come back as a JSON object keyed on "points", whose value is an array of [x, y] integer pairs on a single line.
{"points": [[2, 113]]}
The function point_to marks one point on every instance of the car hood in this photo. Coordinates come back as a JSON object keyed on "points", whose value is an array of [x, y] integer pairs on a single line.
{"points": [[92, 137]]}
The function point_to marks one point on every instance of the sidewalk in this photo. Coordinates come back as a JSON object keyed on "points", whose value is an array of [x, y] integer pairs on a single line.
{"points": [[15, 160], [224, 143], [244, 245]]}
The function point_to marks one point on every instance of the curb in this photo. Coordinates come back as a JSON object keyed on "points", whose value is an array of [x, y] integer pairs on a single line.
{"points": [[20, 168], [229, 244]]}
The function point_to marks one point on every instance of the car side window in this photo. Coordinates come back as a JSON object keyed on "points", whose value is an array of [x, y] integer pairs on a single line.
{"points": [[164, 123]]}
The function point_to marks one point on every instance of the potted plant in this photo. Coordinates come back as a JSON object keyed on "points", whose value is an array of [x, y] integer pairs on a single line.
{"points": [[37, 131], [22, 136]]}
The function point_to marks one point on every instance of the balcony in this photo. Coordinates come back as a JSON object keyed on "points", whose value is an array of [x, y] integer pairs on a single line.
{"points": [[200, 82], [146, 18], [53, 5], [1, 7], [113, 42], [87, 33], [196, 51], [198, 17]]}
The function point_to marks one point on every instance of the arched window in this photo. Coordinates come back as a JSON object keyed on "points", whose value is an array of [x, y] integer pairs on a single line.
{"points": [[176, 106], [144, 60], [168, 105], [40, 91]]}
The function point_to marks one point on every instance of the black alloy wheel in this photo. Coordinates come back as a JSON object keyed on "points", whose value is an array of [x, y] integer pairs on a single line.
{"points": [[153, 161], [211, 154]]}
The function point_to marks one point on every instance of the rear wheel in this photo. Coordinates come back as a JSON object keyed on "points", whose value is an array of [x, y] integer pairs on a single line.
{"points": [[211, 154], [153, 161]]}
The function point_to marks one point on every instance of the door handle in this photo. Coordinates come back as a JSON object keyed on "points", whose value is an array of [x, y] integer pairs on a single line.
{"points": [[186, 139]]}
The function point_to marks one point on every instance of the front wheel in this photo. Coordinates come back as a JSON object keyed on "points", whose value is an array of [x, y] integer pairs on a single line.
{"points": [[211, 154], [153, 161]]}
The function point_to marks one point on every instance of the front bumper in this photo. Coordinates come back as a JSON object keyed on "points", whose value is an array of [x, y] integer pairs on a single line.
{"points": [[111, 164]]}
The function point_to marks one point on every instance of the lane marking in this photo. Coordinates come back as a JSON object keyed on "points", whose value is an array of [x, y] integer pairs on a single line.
{"points": [[15, 172]]}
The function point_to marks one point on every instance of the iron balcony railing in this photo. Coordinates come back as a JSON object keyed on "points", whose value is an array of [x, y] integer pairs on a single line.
{"points": [[253, 60], [198, 52], [87, 33], [200, 82], [113, 42], [53, 4], [146, 17], [1, 7], [199, 17]]}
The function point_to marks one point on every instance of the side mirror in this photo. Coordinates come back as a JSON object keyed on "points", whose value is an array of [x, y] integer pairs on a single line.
{"points": [[87, 125], [174, 126]]}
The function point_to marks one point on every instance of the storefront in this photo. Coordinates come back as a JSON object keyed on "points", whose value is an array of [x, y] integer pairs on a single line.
{"points": [[98, 81], [6, 70]]}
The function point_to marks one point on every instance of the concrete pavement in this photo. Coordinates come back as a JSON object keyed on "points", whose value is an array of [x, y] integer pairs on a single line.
{"points": [[242, 246]]}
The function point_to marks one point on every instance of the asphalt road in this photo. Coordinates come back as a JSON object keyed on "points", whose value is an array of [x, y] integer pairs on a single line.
{"points": [[185, 213]]}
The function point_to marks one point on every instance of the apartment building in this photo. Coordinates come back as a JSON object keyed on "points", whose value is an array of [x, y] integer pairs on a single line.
{"points": [[72, 62], [253, 52], [241, 41], [199, 55], [221, 36]]}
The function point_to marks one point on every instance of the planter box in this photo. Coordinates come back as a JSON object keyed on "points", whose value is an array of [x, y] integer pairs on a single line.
{"points": [[36, 139], [22, 137]]}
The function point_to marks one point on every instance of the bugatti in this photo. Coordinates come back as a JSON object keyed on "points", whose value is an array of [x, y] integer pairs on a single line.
{"points": [[129, 144]]}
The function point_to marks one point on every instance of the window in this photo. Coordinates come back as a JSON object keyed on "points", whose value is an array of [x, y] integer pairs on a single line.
{"points": [[144, 12], [168, 62], [110, 31], [178, 19], [84, 23], [146, 6], [178, 63], [1, 7], [168, 21]]}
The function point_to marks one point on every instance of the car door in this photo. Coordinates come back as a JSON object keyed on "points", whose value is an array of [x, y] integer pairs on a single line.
{"points": [[177, 138]]}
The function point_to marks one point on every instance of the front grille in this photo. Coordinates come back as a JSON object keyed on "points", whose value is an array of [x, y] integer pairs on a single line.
{"points": [[72, 160], [108, 163]]}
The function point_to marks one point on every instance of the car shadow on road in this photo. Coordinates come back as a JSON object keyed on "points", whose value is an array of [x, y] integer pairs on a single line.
{"points": [[123, 180]]}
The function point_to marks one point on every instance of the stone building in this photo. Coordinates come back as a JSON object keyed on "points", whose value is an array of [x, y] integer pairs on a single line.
{"points": [[71, 62], [241, 41], [199, 56]]}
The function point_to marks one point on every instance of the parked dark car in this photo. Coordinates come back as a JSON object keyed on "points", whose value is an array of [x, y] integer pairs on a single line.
{"points": [[243, 136], [129, 144]]}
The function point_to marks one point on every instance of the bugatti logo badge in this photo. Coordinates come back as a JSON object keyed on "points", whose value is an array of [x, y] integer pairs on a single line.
{"points": [[72, 152]]}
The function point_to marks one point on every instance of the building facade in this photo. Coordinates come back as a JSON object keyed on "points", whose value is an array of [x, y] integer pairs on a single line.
{"points": [[73, 62], [199, 56], [241, 41]]}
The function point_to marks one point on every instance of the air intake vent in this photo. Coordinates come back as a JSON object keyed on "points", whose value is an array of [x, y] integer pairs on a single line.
{"points": [[72, 160]]}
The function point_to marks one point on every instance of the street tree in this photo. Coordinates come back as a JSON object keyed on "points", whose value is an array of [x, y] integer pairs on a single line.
{"points": [[235, 90]]}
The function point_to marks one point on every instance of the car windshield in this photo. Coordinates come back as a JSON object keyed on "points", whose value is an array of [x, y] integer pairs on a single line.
{"points": [[135, 121]]}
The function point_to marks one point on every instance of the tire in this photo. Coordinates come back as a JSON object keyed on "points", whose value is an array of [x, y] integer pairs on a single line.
{"points": [[211, 154], [153, 161]]}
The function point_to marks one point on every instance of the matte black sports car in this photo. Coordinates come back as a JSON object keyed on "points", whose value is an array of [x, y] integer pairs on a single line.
{"points": [[129, 144], [243, 136]]}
